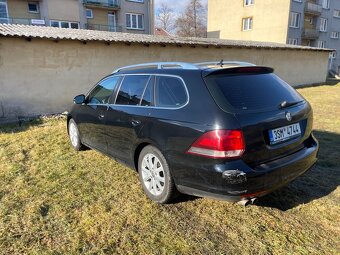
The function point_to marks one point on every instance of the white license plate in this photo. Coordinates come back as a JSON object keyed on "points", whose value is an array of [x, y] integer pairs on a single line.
{"points": [[284, 133]]}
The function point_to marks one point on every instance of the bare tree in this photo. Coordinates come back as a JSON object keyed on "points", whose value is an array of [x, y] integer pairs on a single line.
{"points": [[165, 17], [193, 22]]}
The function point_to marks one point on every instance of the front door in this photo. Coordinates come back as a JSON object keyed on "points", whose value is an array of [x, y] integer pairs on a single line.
{"points": [[125, 118], [92, 115], [112, 21]]}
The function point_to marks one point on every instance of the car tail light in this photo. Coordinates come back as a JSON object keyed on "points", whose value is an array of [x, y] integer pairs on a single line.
{"points": [[219, 144]]}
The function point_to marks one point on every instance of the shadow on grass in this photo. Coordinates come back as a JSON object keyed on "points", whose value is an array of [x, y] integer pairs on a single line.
{"points": [[20, 125], [318, 182]]}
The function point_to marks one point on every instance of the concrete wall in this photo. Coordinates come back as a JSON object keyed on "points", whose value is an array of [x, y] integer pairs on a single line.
{"points": [[270, 20], [43, 76], [67, 10]]}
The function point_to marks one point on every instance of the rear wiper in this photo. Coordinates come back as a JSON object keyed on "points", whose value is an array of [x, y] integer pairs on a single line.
{"points": [[286, 104]]}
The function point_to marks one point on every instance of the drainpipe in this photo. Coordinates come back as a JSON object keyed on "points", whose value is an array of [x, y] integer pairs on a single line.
{"points": [[151, 15]]}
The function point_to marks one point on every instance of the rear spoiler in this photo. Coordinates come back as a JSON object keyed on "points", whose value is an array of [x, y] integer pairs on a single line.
{"points": [[239, 70]]}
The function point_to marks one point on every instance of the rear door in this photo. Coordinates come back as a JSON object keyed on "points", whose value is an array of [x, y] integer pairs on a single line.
{"points": [[274, 118], [91, 116]]}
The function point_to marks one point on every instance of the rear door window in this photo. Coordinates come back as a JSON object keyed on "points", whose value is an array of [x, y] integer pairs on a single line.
{"points": [[253, 92], [103, 91], [132, 89], [170, 92]]}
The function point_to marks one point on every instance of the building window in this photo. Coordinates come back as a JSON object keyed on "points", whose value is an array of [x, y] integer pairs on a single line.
{"points": [[134, 21], [64, 24], [336, 13], [332, 55], [247, 24], [321, 44], [3, 12], [249, 2], [335, 35], [323, 25], [292, 41], [138, 1], [325, 4], [294, 20], [33, 7], [299, 1], [89, 14]]}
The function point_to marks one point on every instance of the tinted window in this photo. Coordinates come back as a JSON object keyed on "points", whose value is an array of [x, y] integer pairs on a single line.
{"points": [[170, 92], [102, 92], [131, 90], [148, 94], [251, 92]]}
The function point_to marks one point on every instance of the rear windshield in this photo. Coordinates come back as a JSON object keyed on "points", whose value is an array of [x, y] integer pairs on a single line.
{"points": [[254, 92]]}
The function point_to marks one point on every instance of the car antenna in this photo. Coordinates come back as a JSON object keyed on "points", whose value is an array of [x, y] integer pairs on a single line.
{"points": [[221, 63]]}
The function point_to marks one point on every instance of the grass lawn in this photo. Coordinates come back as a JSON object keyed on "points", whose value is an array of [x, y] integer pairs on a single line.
{"points": [[54, 200]]}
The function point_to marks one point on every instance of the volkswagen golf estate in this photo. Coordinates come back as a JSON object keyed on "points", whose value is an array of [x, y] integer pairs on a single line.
{"points": [[228, 130]]}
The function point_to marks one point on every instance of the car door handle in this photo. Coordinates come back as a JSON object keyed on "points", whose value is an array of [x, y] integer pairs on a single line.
{"points": [[135, 123], [101, 116]]}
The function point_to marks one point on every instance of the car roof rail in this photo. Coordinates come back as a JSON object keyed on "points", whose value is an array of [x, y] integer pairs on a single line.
{"points": [[222, 63], [160, 65]]}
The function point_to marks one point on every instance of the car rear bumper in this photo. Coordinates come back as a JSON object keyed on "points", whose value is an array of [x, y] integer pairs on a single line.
{"points": [[235, 180]]}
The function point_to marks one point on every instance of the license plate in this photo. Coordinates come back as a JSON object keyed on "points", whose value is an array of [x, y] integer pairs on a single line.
{"points": [[284, 133]]}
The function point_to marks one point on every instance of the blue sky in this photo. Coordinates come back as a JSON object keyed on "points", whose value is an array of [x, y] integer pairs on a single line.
{"points": [[177, 5]]}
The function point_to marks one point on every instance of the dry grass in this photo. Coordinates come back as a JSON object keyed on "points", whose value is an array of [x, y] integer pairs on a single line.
{"points": [[54, 200]]}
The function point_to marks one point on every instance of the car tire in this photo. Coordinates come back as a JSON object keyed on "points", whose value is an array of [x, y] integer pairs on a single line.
{"points": [[155, 176], [73, 133]]}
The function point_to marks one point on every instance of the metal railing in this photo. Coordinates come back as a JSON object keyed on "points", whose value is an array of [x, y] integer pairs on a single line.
{"points": [[313, 8], [114, 4], [103, 27], [18, 21], [310, 33]]}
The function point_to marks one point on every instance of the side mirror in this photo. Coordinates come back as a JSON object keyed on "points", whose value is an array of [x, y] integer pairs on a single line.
{"points": [[79, 99]]}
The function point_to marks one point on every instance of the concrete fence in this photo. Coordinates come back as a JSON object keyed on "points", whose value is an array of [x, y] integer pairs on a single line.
{"points": [[41, 76]]}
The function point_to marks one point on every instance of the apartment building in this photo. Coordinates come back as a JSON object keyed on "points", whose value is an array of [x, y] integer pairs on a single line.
{"points": [[314, 23], [130, 16]]}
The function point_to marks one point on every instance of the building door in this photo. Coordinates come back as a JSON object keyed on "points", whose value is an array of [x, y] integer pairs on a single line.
{"points": [[3, 12], [112, 21]]}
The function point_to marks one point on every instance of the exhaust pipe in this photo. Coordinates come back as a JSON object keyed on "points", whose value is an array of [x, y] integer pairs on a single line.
{"points": [[245, 202]]}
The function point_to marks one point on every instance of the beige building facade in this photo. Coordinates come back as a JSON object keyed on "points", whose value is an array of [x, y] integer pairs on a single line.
{"points": [[130, 16], [314, 23]]}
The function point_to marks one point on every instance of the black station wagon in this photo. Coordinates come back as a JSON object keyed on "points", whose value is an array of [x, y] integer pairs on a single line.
{"points": [[228, 130]]}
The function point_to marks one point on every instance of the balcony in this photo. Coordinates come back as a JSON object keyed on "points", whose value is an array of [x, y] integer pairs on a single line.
{"points": [[313, 8], [103, 27], [105, 4], [310, 33]]}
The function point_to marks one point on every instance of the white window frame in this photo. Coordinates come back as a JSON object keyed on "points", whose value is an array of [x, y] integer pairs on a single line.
{"points": [[91, 16], [325, 4], [336, 14], [249, 2], [63, 21], [335, 35], [137, 22], [293, 41], [247, 24], [36, 4], [321, 44], [137, 1], [323, 24], [295, 20]]}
